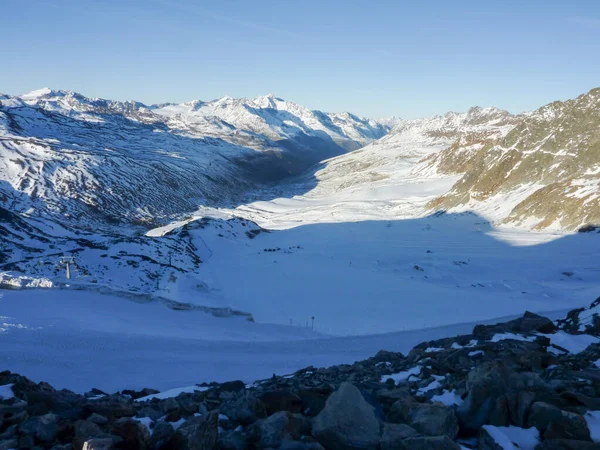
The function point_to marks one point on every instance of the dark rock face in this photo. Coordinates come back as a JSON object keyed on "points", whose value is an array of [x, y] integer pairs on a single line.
{"points": [[503, 375]]}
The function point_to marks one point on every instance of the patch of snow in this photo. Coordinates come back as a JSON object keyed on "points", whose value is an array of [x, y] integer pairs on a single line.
{"points": [[177, 423], [172, 393], [400, 377], [592, 419], [573, 343], [512, 336], [6, 392], [514, 438], [476, 352], [433, 349], [448, 398], [146, 421]]}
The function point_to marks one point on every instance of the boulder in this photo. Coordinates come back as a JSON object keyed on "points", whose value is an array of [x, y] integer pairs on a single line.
{"points": [[281, 400], [134, 434], [430, 419], [197, 433], [348, 421], [245, 409], [394, 434], [43, 427], [9, 444], [554, 423], [84, 431], [428, 443], [161, 434], [567, 444], [270, 432], [232, 440], [97, 419]]}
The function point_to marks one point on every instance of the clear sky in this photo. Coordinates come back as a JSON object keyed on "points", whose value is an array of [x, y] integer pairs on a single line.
{"points": [[374, 58]]}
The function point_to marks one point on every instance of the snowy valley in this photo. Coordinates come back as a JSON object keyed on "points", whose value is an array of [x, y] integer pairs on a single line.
{"points": [[237, 238]]}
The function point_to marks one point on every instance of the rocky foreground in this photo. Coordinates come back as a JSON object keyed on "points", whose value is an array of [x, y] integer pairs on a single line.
{"points": [[525, 384]]}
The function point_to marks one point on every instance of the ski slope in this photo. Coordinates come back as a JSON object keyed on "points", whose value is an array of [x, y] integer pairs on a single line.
{"points": [[81, 340]]}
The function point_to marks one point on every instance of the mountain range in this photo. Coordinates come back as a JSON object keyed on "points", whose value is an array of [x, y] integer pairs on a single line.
{"points": [[92, 177]]}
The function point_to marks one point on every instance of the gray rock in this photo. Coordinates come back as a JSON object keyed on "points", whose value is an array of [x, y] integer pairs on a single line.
{"points": [[26, 442], [199, 433], [348, 421], [430, 419], [300, 445], [281, 400], [394, 434], [134, 434], [169, 405], [428, 443], [487, 442], [9, 444], [245, 409], [270, 432], [97, 419], [98, 444], [554, 423], [233, 440], [84, 431], [161, 434], [43, 427], [567, 444]]}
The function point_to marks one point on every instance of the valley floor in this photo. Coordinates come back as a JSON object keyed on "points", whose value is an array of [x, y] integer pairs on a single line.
{"points": [[82, 340]]}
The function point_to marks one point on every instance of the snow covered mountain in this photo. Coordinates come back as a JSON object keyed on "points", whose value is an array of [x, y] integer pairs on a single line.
{"points": [[101, 160], [543, 174]]}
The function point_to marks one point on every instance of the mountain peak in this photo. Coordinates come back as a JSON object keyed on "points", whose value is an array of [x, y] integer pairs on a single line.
{"points": [[34, 95]]}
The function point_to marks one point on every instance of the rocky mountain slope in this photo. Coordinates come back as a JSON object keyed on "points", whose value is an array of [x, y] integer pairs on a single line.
{"points": [[544, 173], [95, 160], [529, 383]]}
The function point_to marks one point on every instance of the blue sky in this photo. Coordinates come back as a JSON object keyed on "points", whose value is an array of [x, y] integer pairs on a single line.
{"points": [[374, 58]]}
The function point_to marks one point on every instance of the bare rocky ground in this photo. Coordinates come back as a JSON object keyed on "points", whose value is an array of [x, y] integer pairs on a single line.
{"points": [[445, 394]]}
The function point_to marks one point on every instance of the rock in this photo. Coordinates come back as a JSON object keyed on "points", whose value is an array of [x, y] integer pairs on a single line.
{"points": [[169, 405], [199, 433], [554, 423], [26, 442], [232, 440], [281, 400], [9, 444], [487, 442], [232, 386], [428, 443], [148, 411], [16, 418], [245, 409], [97, 419], [394, 433], [496, 396], [111, 409], [43, 427], [430, 419], [84, 431], [529, 323], [98, 444], [270, 432], [347, 422], [312, 402], [161, 434], [134, 434], [9, 433], [300, 445], [567, 444]]}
